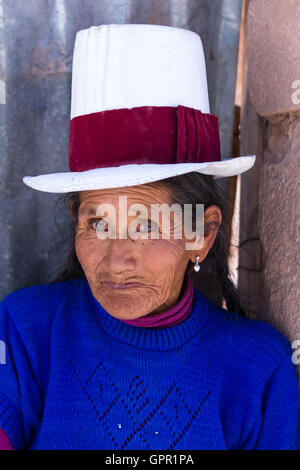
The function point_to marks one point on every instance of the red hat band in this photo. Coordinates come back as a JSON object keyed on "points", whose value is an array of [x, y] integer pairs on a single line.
{"points": [[140, 135]]}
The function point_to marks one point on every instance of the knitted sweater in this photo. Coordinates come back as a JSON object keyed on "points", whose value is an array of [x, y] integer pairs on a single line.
{"points": [[171, 317], [77, 378]]}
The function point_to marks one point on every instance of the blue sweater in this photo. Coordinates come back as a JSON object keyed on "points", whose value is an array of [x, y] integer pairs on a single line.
{"points": [[77, 378]]}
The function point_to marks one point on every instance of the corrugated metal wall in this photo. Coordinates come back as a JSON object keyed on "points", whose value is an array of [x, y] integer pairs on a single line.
{"points": [[36, 46]]}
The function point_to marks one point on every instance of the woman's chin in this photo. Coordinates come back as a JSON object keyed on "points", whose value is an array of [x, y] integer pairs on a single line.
{"points": [[124, 308]]}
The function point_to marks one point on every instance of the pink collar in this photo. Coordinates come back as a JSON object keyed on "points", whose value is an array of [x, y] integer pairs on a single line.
{"points": [[175, 315]]}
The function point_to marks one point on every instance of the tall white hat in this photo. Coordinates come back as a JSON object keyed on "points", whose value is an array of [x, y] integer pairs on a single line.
{"points": [[139, 111]]}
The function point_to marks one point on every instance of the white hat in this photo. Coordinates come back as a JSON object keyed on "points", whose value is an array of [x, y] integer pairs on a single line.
{"points": [[139, 111]]}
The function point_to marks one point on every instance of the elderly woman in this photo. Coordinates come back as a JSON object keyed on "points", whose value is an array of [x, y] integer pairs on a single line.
{"points": [[122, 351]]}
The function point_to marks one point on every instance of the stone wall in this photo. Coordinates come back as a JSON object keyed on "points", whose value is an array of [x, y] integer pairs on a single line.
{"points": [[270, 251]]}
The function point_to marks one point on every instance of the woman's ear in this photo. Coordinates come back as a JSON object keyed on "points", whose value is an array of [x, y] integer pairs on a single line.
{"points": [[212, 222]]}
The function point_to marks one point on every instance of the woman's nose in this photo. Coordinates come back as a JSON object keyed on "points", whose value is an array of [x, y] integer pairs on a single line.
{"points": [[120, 255]]}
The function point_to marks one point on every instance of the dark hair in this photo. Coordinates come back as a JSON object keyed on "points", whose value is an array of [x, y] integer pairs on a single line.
{"points": [[213, 280]]}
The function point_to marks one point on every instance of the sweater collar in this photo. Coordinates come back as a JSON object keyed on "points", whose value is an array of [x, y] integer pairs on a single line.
{"points": [[151, 338]]}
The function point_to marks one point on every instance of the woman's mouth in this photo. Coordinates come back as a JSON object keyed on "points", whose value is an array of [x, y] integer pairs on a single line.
{"points": [[127, 285]]}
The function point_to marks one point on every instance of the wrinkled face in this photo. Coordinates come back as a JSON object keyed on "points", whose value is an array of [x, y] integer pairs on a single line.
{"points": [[153, 268]]}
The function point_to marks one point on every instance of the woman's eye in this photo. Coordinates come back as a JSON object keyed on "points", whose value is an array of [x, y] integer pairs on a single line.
{"points": [[98, 224], [147, 226]]}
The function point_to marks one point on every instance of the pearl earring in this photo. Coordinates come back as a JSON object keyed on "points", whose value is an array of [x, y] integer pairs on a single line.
{"points": [[197, 265]]}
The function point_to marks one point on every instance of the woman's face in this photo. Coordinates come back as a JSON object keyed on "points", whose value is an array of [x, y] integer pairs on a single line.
{"points": [[154, 268]]}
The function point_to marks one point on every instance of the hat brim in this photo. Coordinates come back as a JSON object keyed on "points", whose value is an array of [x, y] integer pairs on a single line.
{"points": [[133, 175]]}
